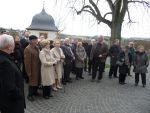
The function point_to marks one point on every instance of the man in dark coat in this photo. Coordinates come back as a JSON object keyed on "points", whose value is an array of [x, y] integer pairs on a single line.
{"points": [[114, 51], [69, 57], [11, 80], [88, 55], [98, 56], [24, 43]]}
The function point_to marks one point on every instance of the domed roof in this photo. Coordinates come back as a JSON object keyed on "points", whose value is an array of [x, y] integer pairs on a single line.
{"points": [[43, 21]]}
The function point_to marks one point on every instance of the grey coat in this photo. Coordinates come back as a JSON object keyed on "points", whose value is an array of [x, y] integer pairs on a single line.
{"points": [[80, 56], [141, 63]]}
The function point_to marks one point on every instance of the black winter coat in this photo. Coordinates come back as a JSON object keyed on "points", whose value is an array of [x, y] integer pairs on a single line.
{"points": [[114, 51], [124, 67], [17, 55], [11, 86]]}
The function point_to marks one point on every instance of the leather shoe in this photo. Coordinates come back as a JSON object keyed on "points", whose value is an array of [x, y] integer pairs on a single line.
{"points": [[81, 77], [51, 95], [46, 97], [69, 81], [30, 98], [144, 85], [64, 83]]}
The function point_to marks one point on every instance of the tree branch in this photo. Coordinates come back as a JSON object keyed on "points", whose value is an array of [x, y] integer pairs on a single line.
{"points": [[124, 9], [99, 16], [97, 2], [141, 2], [85, 8], [107, 14], [95, 7], [111, 5], [129, 18]]}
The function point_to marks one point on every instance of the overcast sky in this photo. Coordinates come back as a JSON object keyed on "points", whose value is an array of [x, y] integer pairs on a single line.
{"points": [[18, 14]]}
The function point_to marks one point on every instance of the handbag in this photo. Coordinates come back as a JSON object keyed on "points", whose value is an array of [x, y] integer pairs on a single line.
{"points": [[119, 63]]}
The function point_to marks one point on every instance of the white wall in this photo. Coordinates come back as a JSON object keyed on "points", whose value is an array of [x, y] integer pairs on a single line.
{"points": [[51, 34]]}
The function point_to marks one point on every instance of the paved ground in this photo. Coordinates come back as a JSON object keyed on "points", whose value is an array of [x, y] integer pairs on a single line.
{"points": [[108, 96]]}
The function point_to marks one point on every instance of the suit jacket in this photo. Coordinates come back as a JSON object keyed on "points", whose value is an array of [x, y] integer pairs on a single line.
{"points": [[11, 86], [68, 53]]}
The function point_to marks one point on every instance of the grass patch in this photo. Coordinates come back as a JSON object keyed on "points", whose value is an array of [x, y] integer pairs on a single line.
{"points": [[148, 57], [107, 66]]}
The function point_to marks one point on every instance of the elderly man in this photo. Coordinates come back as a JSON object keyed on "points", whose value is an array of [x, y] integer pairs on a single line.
{"points": [[11, 80], [98, 56], [132, 52], [32, 66], [69, 57]]}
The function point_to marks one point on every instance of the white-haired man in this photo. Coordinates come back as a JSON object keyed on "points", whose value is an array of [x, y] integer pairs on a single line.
{"points": [[11, 80]]}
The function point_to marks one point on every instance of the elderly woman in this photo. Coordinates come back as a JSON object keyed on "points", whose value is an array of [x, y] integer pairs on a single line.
{"points": [[123, 62], [79, 63], [11, 79], [140, 63], [59, 57], [47, 69]]}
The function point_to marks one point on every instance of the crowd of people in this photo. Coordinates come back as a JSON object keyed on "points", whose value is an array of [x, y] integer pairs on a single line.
{"points": [[48, 64]]}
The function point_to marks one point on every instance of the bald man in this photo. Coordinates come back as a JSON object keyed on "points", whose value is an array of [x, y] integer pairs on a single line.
{"points": [[98, 56]]}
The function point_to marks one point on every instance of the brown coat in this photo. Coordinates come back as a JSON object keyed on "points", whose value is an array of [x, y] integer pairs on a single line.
{"points": [[32, 64], [103, 52]]}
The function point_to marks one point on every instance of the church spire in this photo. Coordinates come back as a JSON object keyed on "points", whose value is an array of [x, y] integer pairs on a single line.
{"points": [[43, 4], [43, 10]]}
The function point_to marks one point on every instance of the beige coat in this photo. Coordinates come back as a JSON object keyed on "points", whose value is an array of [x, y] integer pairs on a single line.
{"points": [[59, 57], [47, 68], [32, 64]]}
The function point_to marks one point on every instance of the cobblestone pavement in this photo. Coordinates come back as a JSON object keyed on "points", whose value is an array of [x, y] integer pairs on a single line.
{"points": [[108, 96]]}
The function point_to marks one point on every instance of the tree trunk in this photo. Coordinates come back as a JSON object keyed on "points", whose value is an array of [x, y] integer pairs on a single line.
{"points": [[115, 31], [117, 20]]}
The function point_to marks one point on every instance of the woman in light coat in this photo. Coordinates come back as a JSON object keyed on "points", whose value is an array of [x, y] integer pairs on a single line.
{"points": [[59, 57], [79, 62], [140, 64], [47, 69]]}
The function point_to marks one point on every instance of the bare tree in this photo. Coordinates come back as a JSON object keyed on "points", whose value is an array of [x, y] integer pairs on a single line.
{"points": [[117, 11]]}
